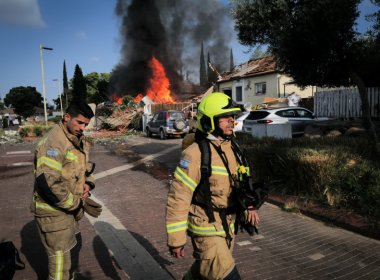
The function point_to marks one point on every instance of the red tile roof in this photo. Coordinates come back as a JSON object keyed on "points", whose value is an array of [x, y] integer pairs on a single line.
{"points": [[251, 68]]}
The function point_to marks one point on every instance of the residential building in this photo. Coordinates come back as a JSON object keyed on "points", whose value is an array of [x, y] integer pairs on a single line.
{"points": [[259, 79]]}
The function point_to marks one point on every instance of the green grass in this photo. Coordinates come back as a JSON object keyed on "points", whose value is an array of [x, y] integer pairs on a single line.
{"points": [[340, 172]]}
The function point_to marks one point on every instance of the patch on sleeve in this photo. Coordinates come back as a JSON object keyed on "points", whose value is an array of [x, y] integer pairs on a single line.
{"points": [[184, 163], [52, 153]]}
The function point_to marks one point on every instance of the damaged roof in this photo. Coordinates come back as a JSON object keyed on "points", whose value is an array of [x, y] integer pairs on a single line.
{"points": [[251, 68]]}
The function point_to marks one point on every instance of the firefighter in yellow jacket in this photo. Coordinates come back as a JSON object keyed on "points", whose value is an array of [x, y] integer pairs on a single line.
{"points": [[189, 202], [63, 181]]}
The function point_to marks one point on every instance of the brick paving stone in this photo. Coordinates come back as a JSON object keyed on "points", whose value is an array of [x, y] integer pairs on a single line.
{"points": [[291, 246]]}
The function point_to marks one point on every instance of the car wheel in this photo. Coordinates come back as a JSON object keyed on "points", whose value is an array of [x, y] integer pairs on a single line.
{"points": [[183, 135], [148, 132], [179, 124], [162, 134]]}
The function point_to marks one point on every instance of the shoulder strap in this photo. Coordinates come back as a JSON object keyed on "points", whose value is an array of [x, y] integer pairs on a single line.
{"points": [[204, 183], [239, 154]]}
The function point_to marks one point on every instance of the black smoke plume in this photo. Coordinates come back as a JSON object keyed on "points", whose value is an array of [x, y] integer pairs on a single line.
{"points": [[172, 31]]}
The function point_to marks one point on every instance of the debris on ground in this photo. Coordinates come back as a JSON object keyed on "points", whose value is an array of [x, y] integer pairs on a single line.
{"points": [[9, 137], [118, 117]]}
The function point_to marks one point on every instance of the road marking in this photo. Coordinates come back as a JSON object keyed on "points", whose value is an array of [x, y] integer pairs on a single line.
{"points": [[316, 256], [21, 164], [18, 152], [255, 249], [130, 255], [243, 243], [132, 164]]}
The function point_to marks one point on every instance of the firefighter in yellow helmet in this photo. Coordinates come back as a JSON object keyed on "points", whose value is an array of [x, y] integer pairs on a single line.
{"points": [[201, 200]]}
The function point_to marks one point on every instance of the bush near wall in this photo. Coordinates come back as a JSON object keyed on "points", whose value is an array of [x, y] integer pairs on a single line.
{"points": [[339, 172], [34, 130]]}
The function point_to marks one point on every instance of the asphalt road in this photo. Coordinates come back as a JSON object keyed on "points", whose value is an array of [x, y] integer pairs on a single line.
{"points": [[132, 183]]}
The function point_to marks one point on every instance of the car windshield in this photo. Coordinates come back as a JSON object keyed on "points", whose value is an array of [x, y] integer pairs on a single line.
{"points": [[256, 115], [176, 115], [242, 114]]}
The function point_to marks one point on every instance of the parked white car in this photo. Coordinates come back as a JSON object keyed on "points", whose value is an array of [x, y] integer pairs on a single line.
{"points": [[298, 117]]}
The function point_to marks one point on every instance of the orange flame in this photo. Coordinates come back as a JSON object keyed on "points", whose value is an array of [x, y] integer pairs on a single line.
{"points": [[116, 99], [159, 85], [158, 90], [119, 100], [138, 98]]}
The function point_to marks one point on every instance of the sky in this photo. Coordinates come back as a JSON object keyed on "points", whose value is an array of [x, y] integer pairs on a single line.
{"points": [[83, 32]]}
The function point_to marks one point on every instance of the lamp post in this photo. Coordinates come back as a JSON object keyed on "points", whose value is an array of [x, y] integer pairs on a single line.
{"points": [[43, 78], [60, 94]]}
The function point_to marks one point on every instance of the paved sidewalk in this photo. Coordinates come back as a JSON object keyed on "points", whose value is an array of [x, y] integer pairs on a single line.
{"points": [[128, 241]]}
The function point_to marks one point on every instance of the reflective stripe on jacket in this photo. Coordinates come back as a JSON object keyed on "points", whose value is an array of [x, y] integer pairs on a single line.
{"points": [[61, 158], [181, 215]]}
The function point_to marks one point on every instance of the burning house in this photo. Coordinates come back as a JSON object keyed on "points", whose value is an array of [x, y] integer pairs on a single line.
{"points": [[161, 43]]}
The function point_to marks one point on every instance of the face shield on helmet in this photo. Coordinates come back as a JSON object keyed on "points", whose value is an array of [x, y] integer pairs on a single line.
{"points": [[214, 105]]}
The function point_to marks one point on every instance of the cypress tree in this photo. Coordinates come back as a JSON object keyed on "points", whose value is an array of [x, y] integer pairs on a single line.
{"points": [[202, 70], [79, 91], [231, 61], [66, 91]]}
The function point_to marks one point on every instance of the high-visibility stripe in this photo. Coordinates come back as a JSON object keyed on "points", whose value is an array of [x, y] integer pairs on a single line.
{"points": [[180, 175], [58, 265], [175, 227], [219, 170], [69, 201], [71, 156], [42, 141], [49, 162], [45, 206], [207, 230]]}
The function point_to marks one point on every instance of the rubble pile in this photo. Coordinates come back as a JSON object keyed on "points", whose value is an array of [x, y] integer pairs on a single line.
{"points": [[117, 117]]}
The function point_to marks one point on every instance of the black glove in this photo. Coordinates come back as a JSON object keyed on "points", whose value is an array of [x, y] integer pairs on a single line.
{"points": [[92, 208], [242, 225], [78, 213]]}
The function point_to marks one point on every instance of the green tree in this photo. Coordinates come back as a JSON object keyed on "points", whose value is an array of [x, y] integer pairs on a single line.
{"points": [[79, 91], [232, 64], [259, 53], [314, 41], [1, 105], [23, 100], [202, 70], [66, 97], [97, 87]]}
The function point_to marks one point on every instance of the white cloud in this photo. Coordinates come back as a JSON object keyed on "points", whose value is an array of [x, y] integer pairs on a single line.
{"points": [[81, 35], [94, 59], [21, 12]]}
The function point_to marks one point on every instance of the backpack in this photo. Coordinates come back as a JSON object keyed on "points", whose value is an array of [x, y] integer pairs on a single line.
{"points": [[9, 260]]}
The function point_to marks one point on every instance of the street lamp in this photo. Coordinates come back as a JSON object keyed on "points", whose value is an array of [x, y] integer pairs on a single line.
{"points": [[60, 94], [43, 78]]}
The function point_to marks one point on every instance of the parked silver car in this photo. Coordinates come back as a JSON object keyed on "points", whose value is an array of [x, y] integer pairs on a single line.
{"points": [[298, 117], [166, 123]]}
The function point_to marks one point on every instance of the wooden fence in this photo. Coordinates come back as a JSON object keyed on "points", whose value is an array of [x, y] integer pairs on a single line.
{"points": [[345, 103], [175, 106]]}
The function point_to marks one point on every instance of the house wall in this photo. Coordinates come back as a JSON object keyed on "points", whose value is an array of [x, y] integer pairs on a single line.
{"points": [[289, 88], [274, 88]]}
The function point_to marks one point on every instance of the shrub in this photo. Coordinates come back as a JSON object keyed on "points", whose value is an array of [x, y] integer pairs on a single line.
{"points": [[340, 172], [38, 130], [24, 131]]}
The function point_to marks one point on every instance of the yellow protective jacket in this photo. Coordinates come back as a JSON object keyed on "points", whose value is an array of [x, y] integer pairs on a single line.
{"points": [[181, 214], [62, 159]]}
